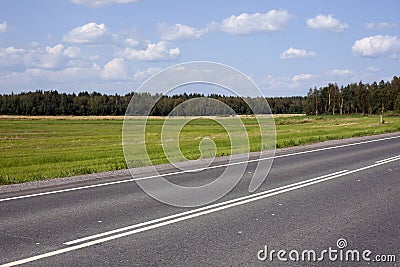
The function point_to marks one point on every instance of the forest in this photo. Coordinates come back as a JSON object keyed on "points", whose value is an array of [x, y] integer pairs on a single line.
{"points": [[375, 98], [360, 98]]}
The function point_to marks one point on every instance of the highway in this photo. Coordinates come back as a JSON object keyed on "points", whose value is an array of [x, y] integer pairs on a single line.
{"points": [[313, 197]]}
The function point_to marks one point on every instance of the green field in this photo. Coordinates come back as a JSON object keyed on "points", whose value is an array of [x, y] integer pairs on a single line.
{"points": [[43, 148]]}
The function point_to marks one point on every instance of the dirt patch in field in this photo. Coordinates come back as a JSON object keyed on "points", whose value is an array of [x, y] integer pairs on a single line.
{"points": [[15, 117], [345, 124]]}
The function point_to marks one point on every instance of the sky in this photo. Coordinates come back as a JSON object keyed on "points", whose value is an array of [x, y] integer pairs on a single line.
{"points": [[113, 46]]}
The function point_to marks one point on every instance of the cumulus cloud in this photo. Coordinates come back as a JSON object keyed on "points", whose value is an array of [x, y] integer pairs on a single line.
{"points": [[379, 25], [72, 52], [14, 58], [4, 52], [153, 52], [378, 45], [90, 33], [302, 77], [297, 53], [174, 52], [114, 69], [143, 74], [4, 27], [49, 57], [326, 22], [56, 57], [131, 42], [273, 20], [179, 32], [99, 3]]}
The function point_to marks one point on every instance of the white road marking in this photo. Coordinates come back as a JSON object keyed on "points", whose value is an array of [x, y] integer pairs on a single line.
{"points": [[392, 158], [194, 210], [194, 170], [199, 212], [161, 222]]}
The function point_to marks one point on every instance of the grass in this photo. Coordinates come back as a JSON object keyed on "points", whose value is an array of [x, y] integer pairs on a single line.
{"points": [[44, 148], [305, 130]]}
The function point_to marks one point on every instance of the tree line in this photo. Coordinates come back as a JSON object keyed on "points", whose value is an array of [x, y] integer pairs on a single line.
{"points": [[375, 98], [53, 103]]}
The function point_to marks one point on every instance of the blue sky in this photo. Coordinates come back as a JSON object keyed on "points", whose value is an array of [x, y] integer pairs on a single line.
{"points": [[112, 46]]}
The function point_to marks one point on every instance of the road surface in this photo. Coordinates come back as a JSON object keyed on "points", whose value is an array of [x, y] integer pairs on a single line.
{"points": [[343, 196]]}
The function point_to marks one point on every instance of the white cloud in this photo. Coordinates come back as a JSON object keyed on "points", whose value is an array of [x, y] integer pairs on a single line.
{"points": [[379, 25], [71, 79], [378, 45], [179, 32], [143, 74], [302, 77], [326, 22], [174, 52], [153, 52], [10, 51], [131, 42], [284, 85], [12, 58], [49, 57], [273, 20], [56, 57], [72, 52], [90, 33], [297, 53], [4, 27], [341, 72], [45, 78], [99, 3], [114, 69]]}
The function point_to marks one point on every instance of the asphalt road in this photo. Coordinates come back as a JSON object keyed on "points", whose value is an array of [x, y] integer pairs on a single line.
{"points": [[330, 197]]}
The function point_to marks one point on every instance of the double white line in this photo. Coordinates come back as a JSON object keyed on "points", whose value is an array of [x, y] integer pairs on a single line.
{"points": [[205, 210], [153, 224], [141, 227], [388, 159]]}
